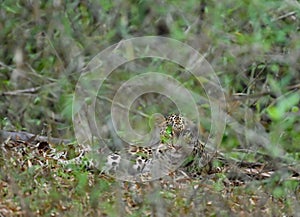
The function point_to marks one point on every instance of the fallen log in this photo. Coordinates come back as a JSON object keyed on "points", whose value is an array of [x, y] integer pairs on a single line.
{"points": [[29, 137]]}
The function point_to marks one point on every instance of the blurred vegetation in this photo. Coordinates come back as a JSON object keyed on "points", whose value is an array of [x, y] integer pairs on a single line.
{"points": [[254, 47]]}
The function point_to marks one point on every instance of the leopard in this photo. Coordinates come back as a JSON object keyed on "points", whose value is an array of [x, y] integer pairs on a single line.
{"points": [[178, 146], [175, 146]]}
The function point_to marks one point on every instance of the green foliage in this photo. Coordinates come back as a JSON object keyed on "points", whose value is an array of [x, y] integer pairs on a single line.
{"points": [[166, 138], [287, 104]]}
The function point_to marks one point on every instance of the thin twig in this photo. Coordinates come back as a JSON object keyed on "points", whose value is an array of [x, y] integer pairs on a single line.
{"points": [[284, 16], [244, 96], [6, 66], [27, 91], [124, 107]]}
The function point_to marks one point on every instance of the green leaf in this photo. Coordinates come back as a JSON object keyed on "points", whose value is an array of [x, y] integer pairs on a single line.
{"points": [[277, 112], [169, 130]]}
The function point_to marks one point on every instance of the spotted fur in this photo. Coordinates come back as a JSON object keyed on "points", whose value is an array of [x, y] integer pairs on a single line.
{"points": [[178, 141]]}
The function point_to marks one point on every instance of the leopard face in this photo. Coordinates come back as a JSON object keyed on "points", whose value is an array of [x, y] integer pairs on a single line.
{"points": [[171, 127], [177, 123]]}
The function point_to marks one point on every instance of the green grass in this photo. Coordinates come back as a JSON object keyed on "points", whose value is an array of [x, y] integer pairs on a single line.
{"points": [[253, 46]]}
